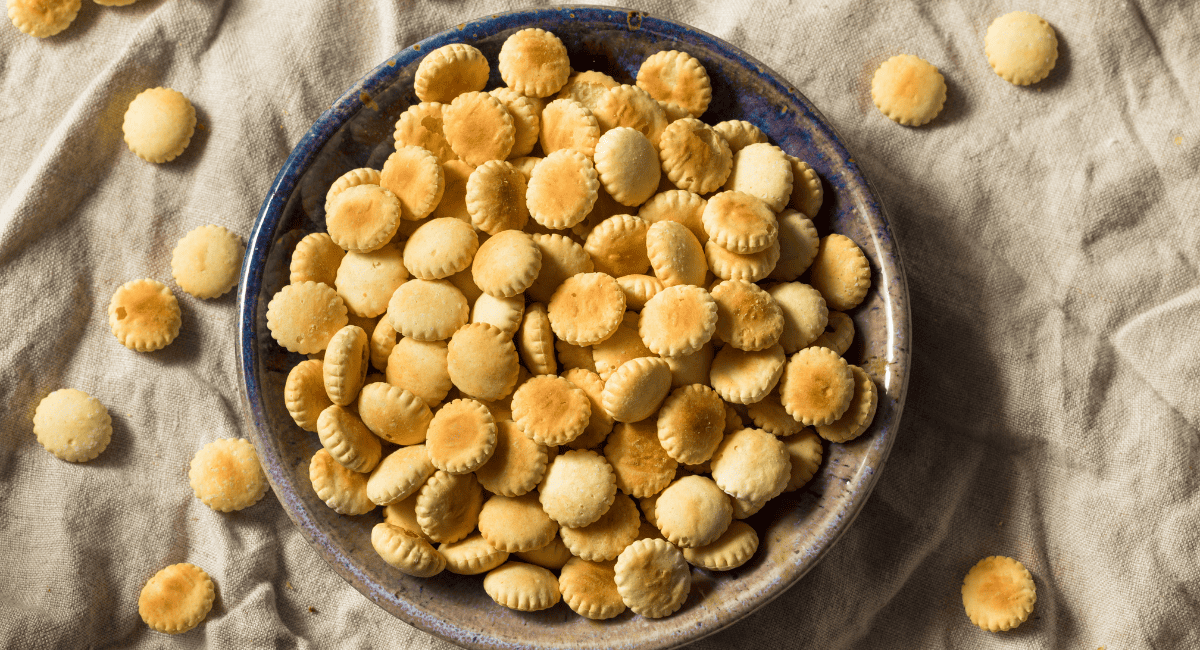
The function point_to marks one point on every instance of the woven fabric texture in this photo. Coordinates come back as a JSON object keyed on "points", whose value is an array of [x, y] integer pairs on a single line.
{"points": [[1049, 234]]}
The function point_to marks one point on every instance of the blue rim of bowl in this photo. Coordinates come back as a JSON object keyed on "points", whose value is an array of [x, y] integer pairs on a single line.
{"points": [[265, 229]]}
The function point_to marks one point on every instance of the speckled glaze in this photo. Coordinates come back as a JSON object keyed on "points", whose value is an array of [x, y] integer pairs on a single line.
{"points": [[795, 530]]}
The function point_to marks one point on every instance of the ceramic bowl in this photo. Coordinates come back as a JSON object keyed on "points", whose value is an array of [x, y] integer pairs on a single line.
{"points": [[795, 529]]}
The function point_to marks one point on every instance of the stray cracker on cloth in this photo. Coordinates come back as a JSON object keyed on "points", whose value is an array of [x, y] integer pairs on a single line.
{"points": [[1021, 47], [908, 90], [176, 599], [144, 315], [158, 124], [206, 261], [226, 475], [72, 425], [998, 594]]}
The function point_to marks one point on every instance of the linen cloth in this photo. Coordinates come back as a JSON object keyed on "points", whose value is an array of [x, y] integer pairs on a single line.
{"points": [[1049, 234]]}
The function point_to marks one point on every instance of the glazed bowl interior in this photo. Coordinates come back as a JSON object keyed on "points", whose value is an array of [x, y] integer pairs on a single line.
{"points": [[795, 529]]}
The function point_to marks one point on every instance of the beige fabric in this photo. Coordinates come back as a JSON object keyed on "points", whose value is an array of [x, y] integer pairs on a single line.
{"points": [[1049, 233]]}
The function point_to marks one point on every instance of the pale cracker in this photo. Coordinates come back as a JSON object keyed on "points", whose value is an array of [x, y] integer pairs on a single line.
{"points": [[517, 465], [636, 389], [427, 310], [691, 423], [624, 345], [420, 367], [315, 258], [448, 506], [482, 361], [561, 258], [363, 218], [393, 413], [1021, 47], [752, 465], [421, 125], [676, 77], [516, 524], [551, 410], [450, 71], [562, 189], [605, 538], [568, 124], [633, 107], [534, 62], [345, 365], [366, 281], [304, 393], [535, 340], [590, 588], [653, 578], [764, 171], [998, 594], [176, 599], [205, 263], [586, 308], [627, 165], [72, 425], [461, 436], [838, 334], [342, 489], [731, 550], [506, 264], [505, 313], [858, 414], [743, 377], [406, 551], [552, 556], [617, 246], [739, 134], [748, 318], [479, 128], [840, 272], [807, 192], [523, 587], [440, 248], [675, 254], [159, 122], [600, 423], [769, 415], [692, 512], [347, 439], [677, 321], [908, 90], [400, 475], [495, 197], [694, 156], [414, 175], [352, 178], [733, 266], [526, 114], [798, 243], [804, 314], [740, 223], [226, 475], [587, 87], [681, 205], [804, 450], [641, 465], [144, 315], [578, 488], [471, 556]]}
